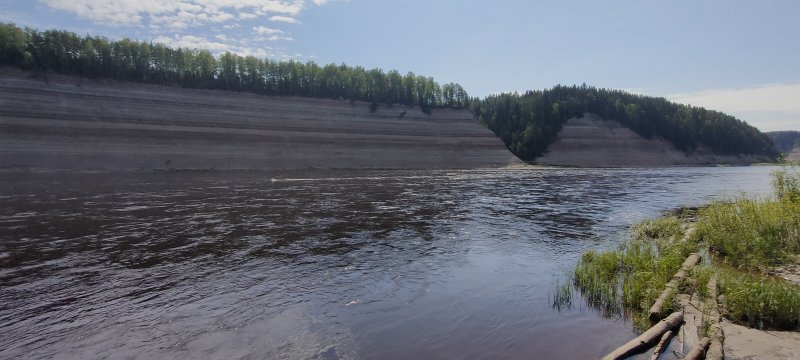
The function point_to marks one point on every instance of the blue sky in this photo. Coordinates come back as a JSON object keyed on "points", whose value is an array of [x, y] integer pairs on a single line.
{"points": [[739, 57]]}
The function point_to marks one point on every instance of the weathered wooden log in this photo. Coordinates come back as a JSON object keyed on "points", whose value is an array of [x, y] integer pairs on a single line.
{"points": [[688, 264], [715, 350], [662, 344], [699, 350], [713, 312], [647, 338]]}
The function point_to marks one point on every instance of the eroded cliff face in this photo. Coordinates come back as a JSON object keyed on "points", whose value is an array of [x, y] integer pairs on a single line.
{"points": [[590, 141], [69, 123]]}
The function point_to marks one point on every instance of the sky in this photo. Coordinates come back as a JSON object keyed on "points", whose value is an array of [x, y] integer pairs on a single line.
{"points": [[740, 57]]}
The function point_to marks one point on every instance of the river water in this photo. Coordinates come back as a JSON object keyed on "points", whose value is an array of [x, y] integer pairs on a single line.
{"points": [[364, 265]]}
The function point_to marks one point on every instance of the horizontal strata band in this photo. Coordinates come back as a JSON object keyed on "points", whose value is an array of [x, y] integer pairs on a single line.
{"points": [[74, 123]]}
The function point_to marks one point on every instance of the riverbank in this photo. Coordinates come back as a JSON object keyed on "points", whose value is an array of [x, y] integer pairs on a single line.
{"points": [[744, 244]]}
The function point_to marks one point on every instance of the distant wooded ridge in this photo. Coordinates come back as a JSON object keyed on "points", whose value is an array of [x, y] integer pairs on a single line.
{"points": [[785, 141], [527, 123]]}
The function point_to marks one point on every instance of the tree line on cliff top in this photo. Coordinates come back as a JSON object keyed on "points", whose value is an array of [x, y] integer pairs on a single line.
{"points": [[785, 141], [68, 53], [527, 123]]}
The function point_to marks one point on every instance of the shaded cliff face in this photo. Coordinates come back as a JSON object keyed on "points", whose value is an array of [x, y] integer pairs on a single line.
{"points": [[590, 141], [70, 123]]}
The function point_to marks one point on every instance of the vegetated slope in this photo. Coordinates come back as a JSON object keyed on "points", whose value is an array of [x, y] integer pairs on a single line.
{"points": [[527, 123], [785, 141], [72, 123], [65, 52], [530, 122]]}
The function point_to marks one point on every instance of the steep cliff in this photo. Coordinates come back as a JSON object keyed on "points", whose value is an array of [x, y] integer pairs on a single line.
{"points": [[70, 123], [590, 141]]}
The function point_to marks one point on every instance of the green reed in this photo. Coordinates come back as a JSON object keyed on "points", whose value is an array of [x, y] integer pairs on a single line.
{"points": [[746, 238]]}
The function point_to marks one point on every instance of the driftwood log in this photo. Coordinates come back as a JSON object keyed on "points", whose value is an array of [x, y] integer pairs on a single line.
{"points": [[715, 350], [662, 344], [648, 338], [688, 264], [699, 350]]}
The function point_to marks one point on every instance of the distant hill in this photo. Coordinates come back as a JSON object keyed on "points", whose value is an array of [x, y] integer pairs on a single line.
{"points": [[785, 141], [528, 123]]}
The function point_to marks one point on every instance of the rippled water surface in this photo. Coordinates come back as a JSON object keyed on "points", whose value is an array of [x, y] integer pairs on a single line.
{"points": [[373, 265]]}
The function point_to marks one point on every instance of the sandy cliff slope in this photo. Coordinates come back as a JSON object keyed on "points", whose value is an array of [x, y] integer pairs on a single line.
{"points": [[590, 141], [70, 123]]}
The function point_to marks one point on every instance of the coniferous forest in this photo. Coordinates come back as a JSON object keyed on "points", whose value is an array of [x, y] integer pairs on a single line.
{"points": [[527, 123], [785, 141]]}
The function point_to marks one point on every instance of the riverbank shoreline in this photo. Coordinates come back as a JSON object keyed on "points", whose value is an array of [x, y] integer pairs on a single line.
{"points": [[749, 247]]}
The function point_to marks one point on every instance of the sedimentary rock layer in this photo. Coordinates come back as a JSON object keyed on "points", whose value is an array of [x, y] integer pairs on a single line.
{"points": [[68, 123], [590, 141]]}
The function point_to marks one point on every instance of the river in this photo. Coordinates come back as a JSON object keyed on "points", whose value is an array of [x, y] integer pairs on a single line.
{"points": [[351, 265]]}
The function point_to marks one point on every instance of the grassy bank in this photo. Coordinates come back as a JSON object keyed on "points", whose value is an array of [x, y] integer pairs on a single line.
{"points": [[741, 241]]}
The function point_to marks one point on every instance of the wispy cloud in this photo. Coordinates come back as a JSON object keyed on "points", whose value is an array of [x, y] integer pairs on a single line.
{"points": [[217, 25], [284, 19], [191, 12], [770, 97], [768, 107], [270, 34], [263, 30], [216, 47]]}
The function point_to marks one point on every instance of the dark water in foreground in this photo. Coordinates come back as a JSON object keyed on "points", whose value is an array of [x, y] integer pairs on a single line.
{"points": [[375, 265]]}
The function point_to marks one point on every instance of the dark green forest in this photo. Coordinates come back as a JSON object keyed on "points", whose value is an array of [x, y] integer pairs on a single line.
{"points": [[785, 141], [529, 122], [65, 52]]}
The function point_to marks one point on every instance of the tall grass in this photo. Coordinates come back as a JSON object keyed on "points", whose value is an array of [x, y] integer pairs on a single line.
{"points": [[746, 236], [786, 184], [755, 234], [628, 280], [562, 296], [760, 301], [597, 277]]}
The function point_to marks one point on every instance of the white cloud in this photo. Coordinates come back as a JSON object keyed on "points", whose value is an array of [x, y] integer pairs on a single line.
{"points": [[771, 97], [216, 25], [270, 34], [216, 47], [285, 19], [274, 38], [263, 30], [194, 42], [768, 107], [185, 12]]}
